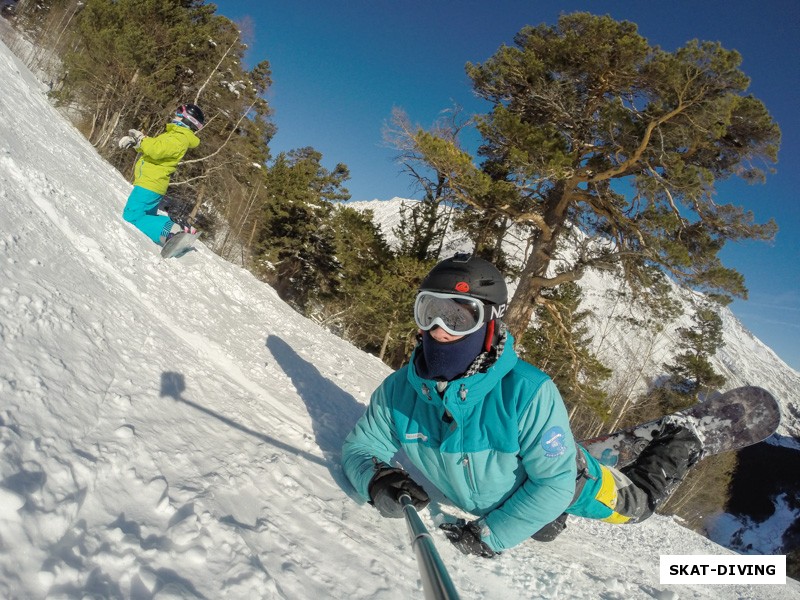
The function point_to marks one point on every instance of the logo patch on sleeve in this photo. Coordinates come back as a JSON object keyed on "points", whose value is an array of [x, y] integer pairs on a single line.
{"points": [[553, 442]]}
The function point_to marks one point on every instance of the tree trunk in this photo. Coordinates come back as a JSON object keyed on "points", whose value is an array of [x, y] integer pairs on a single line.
{"points": [[531, 280], [387, 337], [252, 237], [520, 310], [200, 194]]}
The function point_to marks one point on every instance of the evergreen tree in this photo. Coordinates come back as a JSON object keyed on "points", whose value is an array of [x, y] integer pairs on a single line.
{"points": [[488, 231], [295, 243], [422, 228], [131, 58], [372, 303], [692, 374], [361, 251], [360, 246], [424, 225], [130, 63], [559, 345], [380, 320], [588, 103]]}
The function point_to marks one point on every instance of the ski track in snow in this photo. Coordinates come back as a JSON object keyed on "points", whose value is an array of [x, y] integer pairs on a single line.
{"points": [[172, 429]]}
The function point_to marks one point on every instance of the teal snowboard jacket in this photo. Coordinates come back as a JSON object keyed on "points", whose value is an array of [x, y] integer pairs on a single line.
{"points": [[508, 456]]}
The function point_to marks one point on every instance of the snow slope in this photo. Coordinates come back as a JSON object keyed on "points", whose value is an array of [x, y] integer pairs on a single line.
{"points": [[171, 429]]}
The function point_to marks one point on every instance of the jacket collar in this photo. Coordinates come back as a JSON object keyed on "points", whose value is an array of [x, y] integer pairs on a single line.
{"points": [[191, 138]]}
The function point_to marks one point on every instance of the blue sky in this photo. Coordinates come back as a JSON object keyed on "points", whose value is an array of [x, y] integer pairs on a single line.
{"points": [[340, 67]]}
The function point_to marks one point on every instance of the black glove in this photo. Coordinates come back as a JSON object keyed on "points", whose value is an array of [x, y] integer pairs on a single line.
{"points": [[467, 538], [386, 487]]}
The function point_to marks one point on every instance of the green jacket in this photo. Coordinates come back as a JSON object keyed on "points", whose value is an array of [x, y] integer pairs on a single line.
{"points": [[160, 156]]}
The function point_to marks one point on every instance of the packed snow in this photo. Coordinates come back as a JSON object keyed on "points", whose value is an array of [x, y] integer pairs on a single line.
{"points": [[171, 429]]}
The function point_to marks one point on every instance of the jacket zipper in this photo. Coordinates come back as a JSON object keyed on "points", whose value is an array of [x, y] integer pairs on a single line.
{"points": [[468, 471]]}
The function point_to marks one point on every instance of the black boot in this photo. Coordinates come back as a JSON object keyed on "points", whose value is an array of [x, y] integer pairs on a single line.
{"points": [[552, 530], [663, 464]]}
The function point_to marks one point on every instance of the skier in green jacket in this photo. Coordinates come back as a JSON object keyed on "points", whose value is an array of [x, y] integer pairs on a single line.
{"points": [[159, 157]]}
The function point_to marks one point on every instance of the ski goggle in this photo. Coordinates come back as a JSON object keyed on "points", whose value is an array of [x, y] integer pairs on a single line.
{"points": [[457, 315]]}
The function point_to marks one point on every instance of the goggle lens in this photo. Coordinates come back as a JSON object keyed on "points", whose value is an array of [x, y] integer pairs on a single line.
{"points": [[457, 315]]}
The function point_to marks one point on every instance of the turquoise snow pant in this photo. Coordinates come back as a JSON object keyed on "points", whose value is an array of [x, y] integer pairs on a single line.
{"points": [[141, 210]]}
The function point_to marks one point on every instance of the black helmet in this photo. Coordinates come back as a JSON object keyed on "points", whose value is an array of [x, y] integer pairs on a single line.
{"points": [[191, 116], [471, 276]]}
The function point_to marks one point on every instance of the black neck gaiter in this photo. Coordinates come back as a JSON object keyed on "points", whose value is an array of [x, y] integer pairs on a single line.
{"points": [[445, 361]]}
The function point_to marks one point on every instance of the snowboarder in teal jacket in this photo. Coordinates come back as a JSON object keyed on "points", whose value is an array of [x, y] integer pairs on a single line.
{"points": [[491, 431], [159, 157]]}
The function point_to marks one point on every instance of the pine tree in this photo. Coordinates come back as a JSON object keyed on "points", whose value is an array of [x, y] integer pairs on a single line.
{"points": [[559, 345], [295, 243], [380, 319], [692, 374], [131, 58], [372, 303], [424, 224], [585, 105], [422, 228]]}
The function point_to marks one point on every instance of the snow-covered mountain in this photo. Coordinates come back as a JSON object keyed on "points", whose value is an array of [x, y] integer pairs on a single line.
{"points": [[171, 429]]}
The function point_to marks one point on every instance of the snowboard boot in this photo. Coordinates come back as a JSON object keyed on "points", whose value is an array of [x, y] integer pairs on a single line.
{"points": [[178, 226], [552, 530], [665, 461]]}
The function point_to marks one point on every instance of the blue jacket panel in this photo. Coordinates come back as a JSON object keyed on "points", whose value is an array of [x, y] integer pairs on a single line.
{"points": [[508, 456]]}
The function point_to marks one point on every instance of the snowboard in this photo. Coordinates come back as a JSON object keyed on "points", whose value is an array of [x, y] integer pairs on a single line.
{"points": [[179, 244], [730, 421]]}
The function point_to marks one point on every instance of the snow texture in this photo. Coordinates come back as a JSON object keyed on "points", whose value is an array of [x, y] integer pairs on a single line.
{"points": [[171, 429]]}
